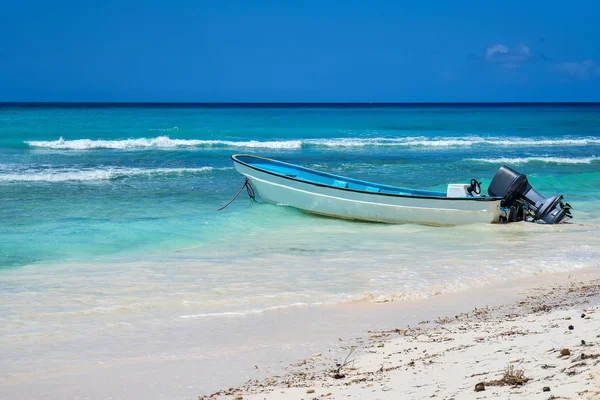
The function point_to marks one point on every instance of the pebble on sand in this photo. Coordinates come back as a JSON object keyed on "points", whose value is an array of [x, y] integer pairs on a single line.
{"points": [[546, 389], [480, 387], [565, 352], [311, 390]]}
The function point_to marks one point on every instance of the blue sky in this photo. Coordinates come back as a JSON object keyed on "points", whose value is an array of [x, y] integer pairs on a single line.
{"points": [[307, 50]]}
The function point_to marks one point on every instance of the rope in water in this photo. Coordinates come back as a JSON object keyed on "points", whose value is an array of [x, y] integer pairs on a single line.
{"points": [[249, 190]]}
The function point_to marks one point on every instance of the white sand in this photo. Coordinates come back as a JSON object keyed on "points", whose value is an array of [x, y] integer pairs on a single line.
{"points": [[219, 358], [446, 358]]}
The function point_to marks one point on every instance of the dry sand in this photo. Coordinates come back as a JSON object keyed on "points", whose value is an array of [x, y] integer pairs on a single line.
{"points": [[513, 350]]}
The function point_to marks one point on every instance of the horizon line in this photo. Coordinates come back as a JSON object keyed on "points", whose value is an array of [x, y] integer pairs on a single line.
{"points": [[290, 104]]}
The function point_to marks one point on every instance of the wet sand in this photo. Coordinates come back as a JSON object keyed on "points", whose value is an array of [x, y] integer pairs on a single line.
{"points": [[544, 345]]}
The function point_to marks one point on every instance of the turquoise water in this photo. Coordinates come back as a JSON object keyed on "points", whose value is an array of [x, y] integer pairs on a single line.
{"points": [[88, 182], [108, 227]]}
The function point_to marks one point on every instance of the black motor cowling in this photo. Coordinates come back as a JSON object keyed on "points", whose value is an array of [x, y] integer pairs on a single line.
{"points": [[517, 192]]}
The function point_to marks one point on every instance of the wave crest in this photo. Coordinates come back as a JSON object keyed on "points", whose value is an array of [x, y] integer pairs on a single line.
{"points": [[525, 160], [161, 142], [165, 142], [95, 174]]}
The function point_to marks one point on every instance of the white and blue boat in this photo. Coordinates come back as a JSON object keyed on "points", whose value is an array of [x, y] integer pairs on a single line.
{"points": [[510, 197]]}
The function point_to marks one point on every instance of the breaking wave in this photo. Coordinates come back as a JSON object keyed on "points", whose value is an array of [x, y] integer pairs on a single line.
{"points": [[161, 142], [165, 142], [525, 160], [92, 174]]}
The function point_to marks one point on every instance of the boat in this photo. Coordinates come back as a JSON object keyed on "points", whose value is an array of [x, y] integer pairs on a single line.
{"points": [[510, 197]]}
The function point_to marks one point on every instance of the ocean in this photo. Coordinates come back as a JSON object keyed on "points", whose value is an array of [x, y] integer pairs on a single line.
{"points": [[111, 245]]}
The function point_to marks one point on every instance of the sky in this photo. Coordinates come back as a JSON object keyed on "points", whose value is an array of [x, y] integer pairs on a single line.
{"points": [[299, 51]]}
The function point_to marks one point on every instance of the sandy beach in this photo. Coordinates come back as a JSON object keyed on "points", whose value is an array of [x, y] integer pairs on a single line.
{"points": [[438, 347], [545, 345]]}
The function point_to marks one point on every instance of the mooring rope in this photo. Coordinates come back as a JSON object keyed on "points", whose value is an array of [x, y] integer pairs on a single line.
{"points": [[249, 190]]}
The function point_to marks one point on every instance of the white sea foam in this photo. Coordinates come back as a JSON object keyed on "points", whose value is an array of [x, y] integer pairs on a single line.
{"points": [[449, 142], [393, 142], [525, 160], [161, 142], [165, 142], [91, 174], [248, 312], [174, 128]]}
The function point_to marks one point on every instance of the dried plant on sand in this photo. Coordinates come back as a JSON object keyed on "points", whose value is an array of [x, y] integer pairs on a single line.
{"points": [[512, 377]]}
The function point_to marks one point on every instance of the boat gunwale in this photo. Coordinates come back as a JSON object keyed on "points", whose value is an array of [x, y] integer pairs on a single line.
{"points": [[234, 158]]}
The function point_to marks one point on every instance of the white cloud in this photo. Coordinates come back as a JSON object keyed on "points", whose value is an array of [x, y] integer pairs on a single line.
{"points": [[498, 48], [581, 70], [514, 57], [505, 56], [524, 50]]}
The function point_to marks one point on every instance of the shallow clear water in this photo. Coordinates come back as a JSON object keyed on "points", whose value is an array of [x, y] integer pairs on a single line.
{"points": [[108, 226]]}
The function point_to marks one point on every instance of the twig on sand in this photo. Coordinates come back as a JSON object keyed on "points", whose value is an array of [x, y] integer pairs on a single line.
{"points": [[337, 372]]}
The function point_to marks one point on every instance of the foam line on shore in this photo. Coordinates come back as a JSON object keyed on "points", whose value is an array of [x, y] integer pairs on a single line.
{"points": [[249, 312]]}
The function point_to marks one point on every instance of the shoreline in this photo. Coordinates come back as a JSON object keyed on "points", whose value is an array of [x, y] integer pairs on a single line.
{"points": [[448, 356], [256, 347]]}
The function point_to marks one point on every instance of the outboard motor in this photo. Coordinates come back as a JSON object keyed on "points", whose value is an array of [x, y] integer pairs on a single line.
{"points": [[519, 196]]}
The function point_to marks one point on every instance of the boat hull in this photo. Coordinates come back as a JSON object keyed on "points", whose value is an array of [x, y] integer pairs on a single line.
{"points": [[364, 206]]}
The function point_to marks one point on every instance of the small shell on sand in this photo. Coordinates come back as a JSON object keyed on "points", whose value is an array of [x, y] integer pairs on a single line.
{"points": [[317, 355]]}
